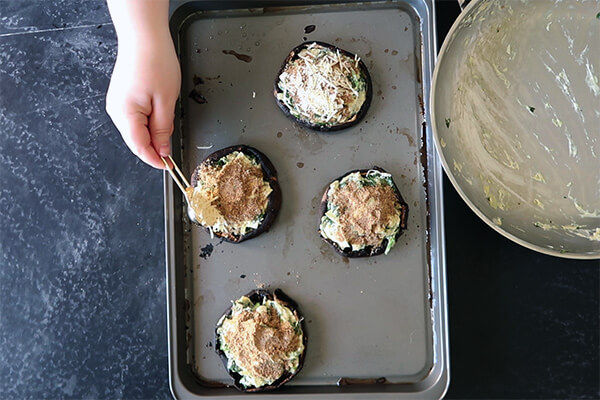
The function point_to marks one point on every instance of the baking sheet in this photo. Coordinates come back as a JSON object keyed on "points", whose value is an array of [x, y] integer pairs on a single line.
{"points": [[366, 318]]}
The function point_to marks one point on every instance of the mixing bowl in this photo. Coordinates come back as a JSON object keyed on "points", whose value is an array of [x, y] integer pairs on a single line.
{"points": [[516, 117]]}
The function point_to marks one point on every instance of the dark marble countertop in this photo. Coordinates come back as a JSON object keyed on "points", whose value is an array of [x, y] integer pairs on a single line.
{"points": [[82, 270]]}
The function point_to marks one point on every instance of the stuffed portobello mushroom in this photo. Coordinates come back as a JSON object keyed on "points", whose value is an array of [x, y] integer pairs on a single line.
{"points": [[235, 194], [362, 213], [323, 87], [261, 340]]}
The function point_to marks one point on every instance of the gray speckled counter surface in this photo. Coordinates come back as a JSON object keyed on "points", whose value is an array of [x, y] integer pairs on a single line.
{"points": [[82, 271], [82, 313]]}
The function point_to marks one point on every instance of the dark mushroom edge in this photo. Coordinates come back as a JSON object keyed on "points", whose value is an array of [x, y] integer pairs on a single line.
{"points": [[367, 251], [257, 296], [269, 175], [293, 55]]}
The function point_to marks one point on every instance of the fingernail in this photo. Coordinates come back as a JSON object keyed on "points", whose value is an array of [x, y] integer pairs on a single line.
{"points": [[164, 150]]}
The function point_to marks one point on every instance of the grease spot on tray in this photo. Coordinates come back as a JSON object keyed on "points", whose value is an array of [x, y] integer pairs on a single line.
{"points": [[195, 93], [312, 142], [406, 133], [421, 104], [197, 80], [328, 253], [242, 57], [361, 381], [206, 251], [309, 28], [314, 205], [197, 96]]}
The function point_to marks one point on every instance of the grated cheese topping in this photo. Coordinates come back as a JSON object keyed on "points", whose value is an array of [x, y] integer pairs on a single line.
{"points": [[323, 86]]}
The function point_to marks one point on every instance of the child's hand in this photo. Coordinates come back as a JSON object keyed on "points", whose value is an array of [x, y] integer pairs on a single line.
{"points": [[144, 86]]}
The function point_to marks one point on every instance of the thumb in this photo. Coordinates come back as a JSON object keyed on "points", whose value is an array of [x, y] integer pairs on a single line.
{"points": [[161, 125]]}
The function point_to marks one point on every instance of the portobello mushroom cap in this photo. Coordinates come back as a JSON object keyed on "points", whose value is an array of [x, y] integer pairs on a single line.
{"points": [[257, 296], [292, 56], [367, 251], [269, 175]]}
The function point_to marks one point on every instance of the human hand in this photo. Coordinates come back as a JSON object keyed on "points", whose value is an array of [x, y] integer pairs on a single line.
{"points": [[142, 94]]}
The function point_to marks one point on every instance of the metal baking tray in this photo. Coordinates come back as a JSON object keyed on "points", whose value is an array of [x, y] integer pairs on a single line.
{"points": [[376, 326]]}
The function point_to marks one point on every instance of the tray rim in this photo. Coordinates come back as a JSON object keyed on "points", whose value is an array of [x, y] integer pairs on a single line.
{"points": [[434, 383]]}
